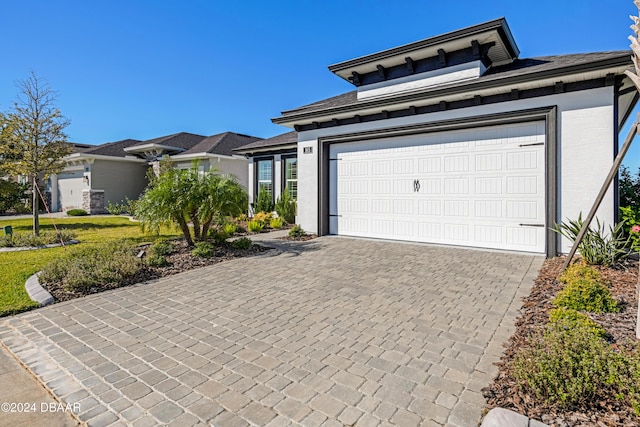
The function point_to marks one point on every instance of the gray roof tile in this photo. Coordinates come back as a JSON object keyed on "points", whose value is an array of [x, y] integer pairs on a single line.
{"points": [[276, 141]]}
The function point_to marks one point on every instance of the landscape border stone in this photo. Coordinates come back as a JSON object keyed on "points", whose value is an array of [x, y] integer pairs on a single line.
{"points": [[37, 292]]}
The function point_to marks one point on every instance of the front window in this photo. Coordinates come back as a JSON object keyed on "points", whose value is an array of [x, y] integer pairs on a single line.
{"points": [[265, 176], [291, 176]]}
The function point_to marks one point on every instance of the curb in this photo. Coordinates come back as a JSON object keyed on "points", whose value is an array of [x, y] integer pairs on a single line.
{"points": [[36, 292], [33, 248], [500, 417]]}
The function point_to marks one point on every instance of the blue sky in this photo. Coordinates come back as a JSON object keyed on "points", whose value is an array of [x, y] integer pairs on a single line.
{"points": [[142, 69]]}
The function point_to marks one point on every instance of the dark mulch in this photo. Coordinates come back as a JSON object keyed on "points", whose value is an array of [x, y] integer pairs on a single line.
{"points": [[504, 391], [178, 261], [299, 239]]}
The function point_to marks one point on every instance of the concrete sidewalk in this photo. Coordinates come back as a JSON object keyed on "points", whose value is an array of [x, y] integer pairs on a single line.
{"points": [[19, 387]]}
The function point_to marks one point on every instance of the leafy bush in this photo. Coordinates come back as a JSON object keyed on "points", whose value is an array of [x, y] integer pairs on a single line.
{"points": [[286, 206], [597, 247], [630, 216], [219, 237], [83, 269], [229, 229], [240, 229], [585, 290], [568, 318], [255, 226], [275, 223], [161, 247], [264, 203], [124, 207], [77, 212], [629, 188], [573, 366], [242, 243], [241, 217], [155, 260], [29, 240], [11, 195], [203, 250], [263, 217], [297, 232]]}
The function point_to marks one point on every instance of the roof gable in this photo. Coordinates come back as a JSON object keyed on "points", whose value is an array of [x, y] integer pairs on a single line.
{"points": [[221, 144]]}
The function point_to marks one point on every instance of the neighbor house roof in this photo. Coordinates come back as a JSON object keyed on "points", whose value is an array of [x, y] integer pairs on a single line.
{"points": [[580, 66], [115, 149], [284, 140], [222, 144], [177, 142]]}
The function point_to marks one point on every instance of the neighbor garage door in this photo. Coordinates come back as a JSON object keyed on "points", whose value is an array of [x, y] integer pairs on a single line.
{"points": [[481, 187]]}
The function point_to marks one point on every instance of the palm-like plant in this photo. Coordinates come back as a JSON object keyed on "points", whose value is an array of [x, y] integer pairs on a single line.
{"points": [[184, 196]]}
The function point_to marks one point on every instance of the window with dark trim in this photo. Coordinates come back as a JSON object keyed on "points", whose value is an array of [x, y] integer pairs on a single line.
{"points": [[264, 176], [290, 175]]}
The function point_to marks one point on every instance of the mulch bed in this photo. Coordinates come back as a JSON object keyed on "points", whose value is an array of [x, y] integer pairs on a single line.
{"points": [[179, 260], [299, 239], [504, 391]]}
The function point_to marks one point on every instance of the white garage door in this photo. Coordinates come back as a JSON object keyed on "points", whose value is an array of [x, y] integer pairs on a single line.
{"points": [[483, 187]]}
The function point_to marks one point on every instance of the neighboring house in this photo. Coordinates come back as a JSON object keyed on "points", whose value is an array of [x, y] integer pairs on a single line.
{"points": [[456, 140], [273, 165], [216, 153], [97, 175], [114, 171]]}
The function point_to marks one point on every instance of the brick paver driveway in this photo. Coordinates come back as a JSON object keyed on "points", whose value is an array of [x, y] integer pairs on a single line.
{"points": [[336, 332]]}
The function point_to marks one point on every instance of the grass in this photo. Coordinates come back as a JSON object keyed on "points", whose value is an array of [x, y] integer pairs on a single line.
{"points": [[16, 267]]}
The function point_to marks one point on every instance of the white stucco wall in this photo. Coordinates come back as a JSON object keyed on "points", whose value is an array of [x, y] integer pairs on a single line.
{"points": [[585, 150]]}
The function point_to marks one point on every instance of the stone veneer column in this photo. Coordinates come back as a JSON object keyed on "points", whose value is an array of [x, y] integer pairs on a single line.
{"points": [[93, 201]]}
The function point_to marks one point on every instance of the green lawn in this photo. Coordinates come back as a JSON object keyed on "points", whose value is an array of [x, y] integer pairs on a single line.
{"points": [[16, 267]]}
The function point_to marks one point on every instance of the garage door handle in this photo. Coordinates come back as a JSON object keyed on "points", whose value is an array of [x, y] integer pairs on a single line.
{"points": [[531, 225], [416, 185]]}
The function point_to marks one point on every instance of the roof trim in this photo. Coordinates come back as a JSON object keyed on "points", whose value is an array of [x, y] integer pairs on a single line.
{"points": [[622, 60], [151, 146], [82, 156], [268, 148], [500, 25], [203, 155]]}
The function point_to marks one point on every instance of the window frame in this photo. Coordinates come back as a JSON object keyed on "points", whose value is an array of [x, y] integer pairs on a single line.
{"points": [[256, 181], [284, 159]]}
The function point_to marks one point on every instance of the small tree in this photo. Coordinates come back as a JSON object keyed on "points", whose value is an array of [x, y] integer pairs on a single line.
{"points": [[33, 142], [183, 196], [286, 206], [264, 203]]}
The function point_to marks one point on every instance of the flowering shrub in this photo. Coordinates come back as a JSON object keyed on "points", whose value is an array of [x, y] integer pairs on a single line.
{"points": [[631, 218]]}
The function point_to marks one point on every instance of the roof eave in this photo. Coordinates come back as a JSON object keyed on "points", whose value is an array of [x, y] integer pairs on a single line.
{"points": [[267, 149], [610, 63]]}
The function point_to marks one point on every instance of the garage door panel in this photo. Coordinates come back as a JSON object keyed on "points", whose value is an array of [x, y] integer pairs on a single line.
{"points": [[482, 188]]}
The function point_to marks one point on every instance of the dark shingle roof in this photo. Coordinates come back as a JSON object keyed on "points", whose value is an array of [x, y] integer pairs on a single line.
{"points": [[115, 149], [181, 140], [222, 143], [278, 140], [527, 69]]}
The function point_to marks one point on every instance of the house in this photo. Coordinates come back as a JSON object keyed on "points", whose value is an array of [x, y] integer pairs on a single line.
{"points": [[456, 140], [273, 165], [114, 171]]}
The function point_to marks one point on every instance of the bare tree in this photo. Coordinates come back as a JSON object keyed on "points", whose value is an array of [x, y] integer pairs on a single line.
{"points": [[33, 142]]}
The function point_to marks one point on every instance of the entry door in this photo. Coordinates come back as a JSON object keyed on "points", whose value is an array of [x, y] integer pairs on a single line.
{"points": [[482, 187]]}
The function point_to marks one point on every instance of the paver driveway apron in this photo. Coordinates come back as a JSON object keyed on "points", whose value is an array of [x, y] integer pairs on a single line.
{"points": [[336, 331]]}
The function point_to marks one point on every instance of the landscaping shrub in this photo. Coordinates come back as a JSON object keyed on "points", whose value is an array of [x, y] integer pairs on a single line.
{"points": [[242, 243], [630, 216], [109, 263], [219, 237], [29, 240], [568, 318], [275, 223], [241, 218], [124, 207], [263, 218], [240, 229], [598, 247], [255, 226], [585, 290], [570, 366], [264, 203], [286, 206], [77, 212], [229, 229], [161, 247], [203, 250], [297, 232]]}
